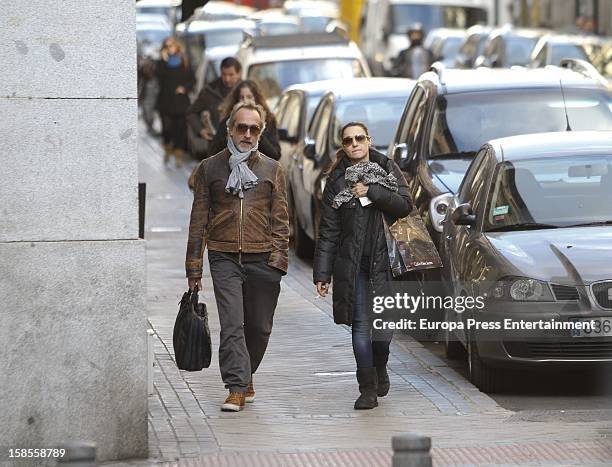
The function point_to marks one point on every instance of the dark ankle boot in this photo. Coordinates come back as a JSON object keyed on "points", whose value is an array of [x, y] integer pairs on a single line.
{"points": [[381, 357], [366, 377]]}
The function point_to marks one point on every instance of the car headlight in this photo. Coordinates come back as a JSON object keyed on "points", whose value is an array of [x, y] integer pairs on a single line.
{"points": [[522, 289]]}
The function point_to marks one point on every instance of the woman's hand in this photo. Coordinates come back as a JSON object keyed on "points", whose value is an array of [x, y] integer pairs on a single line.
{"points": [[360, 190], [322, 289], [181, 90]]}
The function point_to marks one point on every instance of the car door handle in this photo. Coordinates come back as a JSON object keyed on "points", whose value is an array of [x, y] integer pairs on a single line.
{"points": [[449, 237]]}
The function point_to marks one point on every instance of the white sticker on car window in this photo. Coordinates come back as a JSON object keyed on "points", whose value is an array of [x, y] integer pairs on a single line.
{"points": [[501, 210]]}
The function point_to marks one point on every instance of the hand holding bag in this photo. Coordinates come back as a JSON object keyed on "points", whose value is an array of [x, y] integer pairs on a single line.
{"points": [[409, 245], [191, 336]]}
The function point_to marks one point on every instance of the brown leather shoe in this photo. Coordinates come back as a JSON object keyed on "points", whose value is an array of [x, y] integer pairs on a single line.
{"points": [[249, 395], [234, 402]]}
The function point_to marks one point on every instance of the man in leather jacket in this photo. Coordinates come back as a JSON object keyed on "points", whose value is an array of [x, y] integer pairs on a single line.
{"points": [[240, 212]]}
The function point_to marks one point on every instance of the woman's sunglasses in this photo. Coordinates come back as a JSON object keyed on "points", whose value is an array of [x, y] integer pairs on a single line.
{"points": [[348, 140], [242, 128]]}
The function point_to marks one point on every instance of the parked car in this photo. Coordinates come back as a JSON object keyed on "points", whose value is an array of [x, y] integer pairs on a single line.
{"points": [[508, 46], [216, 10], [378, 102], [530, 232], [385, 23], [201, 35], [171, 9], [473, 46], [444, 44], [276, 62], [451, 113], [294, 113], [274, 21], [552, 48]]}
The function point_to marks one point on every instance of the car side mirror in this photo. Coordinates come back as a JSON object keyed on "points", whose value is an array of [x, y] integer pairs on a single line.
{"points": [[463, 215], [283, 135], [480, 61], [309, 150], [400, 153]]}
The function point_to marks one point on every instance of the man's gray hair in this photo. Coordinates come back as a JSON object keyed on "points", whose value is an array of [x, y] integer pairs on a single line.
{"points": [[250, 105]]}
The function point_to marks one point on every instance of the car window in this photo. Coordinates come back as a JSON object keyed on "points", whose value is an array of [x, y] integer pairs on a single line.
{"points": [[463, 122], [280, 111], [518, 50], [470, 185], [560, 190], [273, 77], [320, 133], [560, 51], [412, 121], [211, 72], [379, 114], [293, 116]]}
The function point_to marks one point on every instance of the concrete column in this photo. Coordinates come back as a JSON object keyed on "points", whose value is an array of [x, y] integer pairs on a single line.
{"points": [[72, 298]]}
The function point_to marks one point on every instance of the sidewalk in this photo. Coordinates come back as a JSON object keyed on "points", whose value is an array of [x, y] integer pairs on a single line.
{"points": [[306, 386]]}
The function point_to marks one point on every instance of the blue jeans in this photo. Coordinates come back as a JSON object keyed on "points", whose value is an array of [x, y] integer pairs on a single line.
{"points": [[362, 326]]}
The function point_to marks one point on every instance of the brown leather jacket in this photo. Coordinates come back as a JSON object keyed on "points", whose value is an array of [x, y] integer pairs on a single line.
{"points": [[258, 223]]}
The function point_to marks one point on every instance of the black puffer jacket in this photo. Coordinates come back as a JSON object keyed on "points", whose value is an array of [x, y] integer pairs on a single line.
{"points": [[168, 101], [342, 235]]}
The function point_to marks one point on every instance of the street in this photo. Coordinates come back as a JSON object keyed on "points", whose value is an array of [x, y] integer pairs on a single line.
{"points": [[306, 384]]}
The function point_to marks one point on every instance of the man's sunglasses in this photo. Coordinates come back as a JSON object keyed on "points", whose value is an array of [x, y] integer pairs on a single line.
{"points": [[348, 140], [242, 128]]}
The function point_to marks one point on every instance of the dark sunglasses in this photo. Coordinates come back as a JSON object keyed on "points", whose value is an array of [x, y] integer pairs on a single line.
{"points": [[348, 140], [242, 128]]}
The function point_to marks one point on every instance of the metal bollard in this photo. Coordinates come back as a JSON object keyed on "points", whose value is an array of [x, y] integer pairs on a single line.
{"points": [[78, 454], [411, 450]]}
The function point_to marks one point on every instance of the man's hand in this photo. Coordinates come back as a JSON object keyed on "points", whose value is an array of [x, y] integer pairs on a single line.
{"points": [[194, 284], [181, 90], [206, 134], [360, 190], [322, 289]]}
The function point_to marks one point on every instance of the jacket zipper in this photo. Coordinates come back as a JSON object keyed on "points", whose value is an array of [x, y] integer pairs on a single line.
{"points": [[240, 232]]}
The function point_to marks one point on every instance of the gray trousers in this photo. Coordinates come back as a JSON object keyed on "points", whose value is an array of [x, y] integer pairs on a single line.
{"points": [[246, 296]]}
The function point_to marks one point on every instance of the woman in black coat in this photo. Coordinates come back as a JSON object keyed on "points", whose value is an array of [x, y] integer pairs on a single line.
{"points": [[175, 81], [247, 90], [352, 249]]}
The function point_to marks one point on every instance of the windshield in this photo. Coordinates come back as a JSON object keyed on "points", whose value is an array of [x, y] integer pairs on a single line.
{"points": [[402, 16], [558, 191], [518, 50], [380, 115], [223, 37], [464, 122], [566, 51], [272, 78]]}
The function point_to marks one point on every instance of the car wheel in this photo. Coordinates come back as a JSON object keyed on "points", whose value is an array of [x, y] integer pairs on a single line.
{"points": [[483, 376], [301, 243]]}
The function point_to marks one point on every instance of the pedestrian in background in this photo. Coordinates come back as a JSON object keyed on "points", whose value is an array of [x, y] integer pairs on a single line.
{"points": [[352, 250], [240, 213], [247, 90], [203, 115], [175, 79], [416, 59]]}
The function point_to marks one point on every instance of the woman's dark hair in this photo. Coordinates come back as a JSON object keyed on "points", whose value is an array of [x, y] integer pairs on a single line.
{"points": [[234, 96], [341, 154]]}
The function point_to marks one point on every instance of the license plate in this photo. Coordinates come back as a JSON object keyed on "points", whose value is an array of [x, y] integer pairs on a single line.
{"points": [[600, 327]]}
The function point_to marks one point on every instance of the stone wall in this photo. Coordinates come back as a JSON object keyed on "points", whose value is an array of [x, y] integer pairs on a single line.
{"points": [[72, 296]]}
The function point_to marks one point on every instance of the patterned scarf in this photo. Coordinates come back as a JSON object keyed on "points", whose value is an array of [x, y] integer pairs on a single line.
{"points": [[368, 173], [241, 177]]}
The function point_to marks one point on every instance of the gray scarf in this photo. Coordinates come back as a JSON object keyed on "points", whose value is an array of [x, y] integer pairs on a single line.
{"points": [[241, 177], [368, 173]]}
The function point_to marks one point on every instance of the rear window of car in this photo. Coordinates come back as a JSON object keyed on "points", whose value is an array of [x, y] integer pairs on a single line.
{"points": [[518, 50], [465, 121], [273, 77]]}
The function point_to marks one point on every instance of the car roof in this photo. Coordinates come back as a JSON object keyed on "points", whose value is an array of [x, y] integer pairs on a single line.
{"points": [[349, 50], [522, 32], [353, 87], [204, 26], [158, 3], [552, 144], [490, 79]]}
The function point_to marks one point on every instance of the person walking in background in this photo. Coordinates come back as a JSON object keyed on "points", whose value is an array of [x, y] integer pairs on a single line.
{"points": [[175, 79], [240, 213], [352, 249], [416, 59], [203, 115], [247, 90]]}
